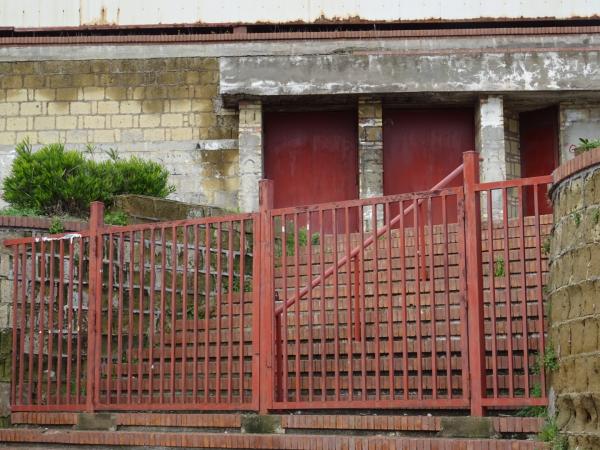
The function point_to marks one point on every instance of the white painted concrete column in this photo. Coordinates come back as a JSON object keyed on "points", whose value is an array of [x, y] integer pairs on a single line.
{"points": [[251, 154], [490, 138], [370, 147]]}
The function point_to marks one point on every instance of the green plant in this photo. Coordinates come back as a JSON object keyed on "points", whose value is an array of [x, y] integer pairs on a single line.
{"points": [[55, 181], [22, 212], [56, 226], [499, 270], [546, 247], [551, 434], [548, 361], [596, 216], [577, 219], [116, 218], [586, 145]]}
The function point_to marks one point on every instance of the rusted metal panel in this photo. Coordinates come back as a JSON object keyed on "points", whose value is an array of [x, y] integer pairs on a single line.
{"points": [[60, 13], [311, 156]]}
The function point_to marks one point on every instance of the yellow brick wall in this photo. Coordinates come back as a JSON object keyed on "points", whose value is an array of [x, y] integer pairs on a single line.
{"points": [[124, 104]]}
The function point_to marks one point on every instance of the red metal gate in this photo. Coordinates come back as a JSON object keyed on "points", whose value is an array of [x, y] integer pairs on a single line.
{"points": [[423, 300], [371, 318]]}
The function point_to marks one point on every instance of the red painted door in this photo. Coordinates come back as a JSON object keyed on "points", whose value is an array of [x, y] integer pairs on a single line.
{"points": [[311, 156], [539, 152], [422, 146]]}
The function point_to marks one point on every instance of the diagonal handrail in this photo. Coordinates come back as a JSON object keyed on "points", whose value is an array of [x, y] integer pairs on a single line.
{"points": [[356, 250]]}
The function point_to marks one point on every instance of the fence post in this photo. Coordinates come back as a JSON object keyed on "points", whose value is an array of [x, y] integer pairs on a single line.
{"points": [[94, 299], [266, 382], [476, 336]]}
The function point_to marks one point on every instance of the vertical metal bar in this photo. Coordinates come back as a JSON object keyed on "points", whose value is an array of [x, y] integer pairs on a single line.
{"points": [[32, 326], [348, 304], [297, 302], [120, 311], [524, 314], [109, 330], [390, 305], [363, 306], [70, 289], [23, 322], [50, 328], [376, 301], [492, 283], [323, 309], [265, 290], [231, 271], [41, 331], [78, 373], [163, 312], [310, 361], [418, 270], [130, 316], [196, 272], [476, 336], [152, 315], [174, 265], [357, 322], [61, 310], [142, 282], [242, 278], [445, 244], [336, 305], [184, 295], [402, 256], [219, 287], [432, 305], [508, 296], [207, 343], [539, 282], [15, 313], [284, 313]]}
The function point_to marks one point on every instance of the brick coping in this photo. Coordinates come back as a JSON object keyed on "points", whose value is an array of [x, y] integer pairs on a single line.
{"points": [[42, 223], [574, 166]]}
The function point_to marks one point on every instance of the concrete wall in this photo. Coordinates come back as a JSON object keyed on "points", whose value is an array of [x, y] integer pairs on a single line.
{"points": [[574, 284], [578, 119], [162, 109]]}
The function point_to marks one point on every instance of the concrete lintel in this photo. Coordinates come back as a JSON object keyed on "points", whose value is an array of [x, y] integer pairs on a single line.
{"points": [[380, 73]]}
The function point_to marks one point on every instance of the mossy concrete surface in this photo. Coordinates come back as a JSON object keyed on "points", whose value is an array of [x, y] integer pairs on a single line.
{"points": [[261, 424], [574, 296], [467, 427]]}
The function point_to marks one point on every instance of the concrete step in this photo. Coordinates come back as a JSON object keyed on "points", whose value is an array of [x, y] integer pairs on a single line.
{"points": [[30, 438]]}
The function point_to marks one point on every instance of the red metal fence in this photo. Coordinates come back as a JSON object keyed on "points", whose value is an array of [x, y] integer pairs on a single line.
{"points": [[424, 300]]}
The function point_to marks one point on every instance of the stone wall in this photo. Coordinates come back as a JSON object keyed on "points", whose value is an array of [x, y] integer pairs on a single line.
{"points": [[573, 288], [165, 109]]}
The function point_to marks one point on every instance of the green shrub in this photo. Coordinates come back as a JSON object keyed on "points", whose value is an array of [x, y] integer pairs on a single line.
{"points": [[586, 145], [55, 181], [56, 226], [115, 218]]}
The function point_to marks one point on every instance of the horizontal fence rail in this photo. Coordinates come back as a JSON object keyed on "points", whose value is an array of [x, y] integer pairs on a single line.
{"points": [[429, 300]]}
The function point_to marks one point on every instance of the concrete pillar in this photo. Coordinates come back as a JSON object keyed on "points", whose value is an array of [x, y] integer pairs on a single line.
{"points": [[251, 154], [370, 154], [370, 147], [490, 139], [577, 120]]}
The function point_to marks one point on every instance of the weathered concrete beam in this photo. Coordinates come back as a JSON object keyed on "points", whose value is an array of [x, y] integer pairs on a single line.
{"points": [[379, 73]]}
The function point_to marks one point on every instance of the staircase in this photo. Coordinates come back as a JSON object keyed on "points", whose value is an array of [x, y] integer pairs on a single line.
{"points": [[295, 431]]}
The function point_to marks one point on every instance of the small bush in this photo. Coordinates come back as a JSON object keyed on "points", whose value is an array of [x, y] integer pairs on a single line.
{"points": [[56, 226], [55, 181], [115, 218]]}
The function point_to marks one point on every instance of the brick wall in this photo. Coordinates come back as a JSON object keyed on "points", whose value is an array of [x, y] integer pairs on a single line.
{"points": [[163, 109]]}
